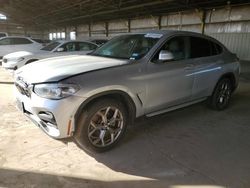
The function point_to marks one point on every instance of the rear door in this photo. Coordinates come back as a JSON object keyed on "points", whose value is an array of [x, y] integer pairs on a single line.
{"points": [[206, 56]]}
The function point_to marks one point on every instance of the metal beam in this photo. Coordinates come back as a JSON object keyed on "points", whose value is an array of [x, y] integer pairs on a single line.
{"points": [[112, 11]]}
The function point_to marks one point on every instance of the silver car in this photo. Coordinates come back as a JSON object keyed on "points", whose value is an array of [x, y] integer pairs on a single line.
{"points": [[95, 97], [18, 59]]}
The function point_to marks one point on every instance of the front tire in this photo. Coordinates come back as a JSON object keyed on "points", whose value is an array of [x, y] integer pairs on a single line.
{"points": [[222, 94], [101, 125]]}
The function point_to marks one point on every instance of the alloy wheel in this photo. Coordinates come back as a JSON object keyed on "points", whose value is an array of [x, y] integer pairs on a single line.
{"points": [[105, 126]]}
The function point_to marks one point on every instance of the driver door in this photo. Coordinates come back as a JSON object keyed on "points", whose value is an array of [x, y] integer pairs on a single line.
{"points": [[170, 82]]}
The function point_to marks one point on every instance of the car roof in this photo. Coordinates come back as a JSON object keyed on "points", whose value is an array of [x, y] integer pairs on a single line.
{"points": [[17, 37], [166, 32], [173, 32], [64, 41]]}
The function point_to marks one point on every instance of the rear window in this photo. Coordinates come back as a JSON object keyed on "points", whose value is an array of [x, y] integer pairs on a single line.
{"points": [[2, 35], [20, 41], [39, 41], [5, 41], [99, 42], [84, 46], [203, 48]]}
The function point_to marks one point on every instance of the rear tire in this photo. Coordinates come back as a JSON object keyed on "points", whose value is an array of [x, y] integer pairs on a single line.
{"points": [[222, 94], [101, 125]]}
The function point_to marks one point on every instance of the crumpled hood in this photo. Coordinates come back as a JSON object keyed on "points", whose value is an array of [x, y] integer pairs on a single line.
{"points": [[57, 68]]}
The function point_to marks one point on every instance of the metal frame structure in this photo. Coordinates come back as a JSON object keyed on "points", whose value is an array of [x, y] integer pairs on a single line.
{"points": [[47, 13]]}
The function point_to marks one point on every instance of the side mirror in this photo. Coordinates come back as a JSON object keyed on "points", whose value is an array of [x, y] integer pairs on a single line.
{"points": [[165, 55], [59, 49]]}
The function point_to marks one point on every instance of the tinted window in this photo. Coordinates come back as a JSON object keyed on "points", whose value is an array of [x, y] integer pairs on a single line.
{"points": [[21, 41], [2, 35], [39, 40], [203, 48], [215, 48], [69, 47], [177, 46], [83, 46], [99, 42], [5, 41], [199, 47], [51, 46]]}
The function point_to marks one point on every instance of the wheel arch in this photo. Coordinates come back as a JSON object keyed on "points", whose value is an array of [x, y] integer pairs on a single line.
{"points": [[119, 95], [231, 77]]}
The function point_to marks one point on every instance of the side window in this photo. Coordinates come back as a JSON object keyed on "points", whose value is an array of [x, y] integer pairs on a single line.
{"points": [[83, 46], [215, 48], [69, 47], [203, 48], [177, 46], [20, 41], [2, 35], [199, 47], [5, 41]]}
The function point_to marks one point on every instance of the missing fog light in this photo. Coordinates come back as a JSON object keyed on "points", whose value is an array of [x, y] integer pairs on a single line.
{"points": [[47, 117]]}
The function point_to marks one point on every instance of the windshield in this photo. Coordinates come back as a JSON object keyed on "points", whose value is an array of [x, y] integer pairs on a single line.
{"points": [[51, 46], [128, 46]]}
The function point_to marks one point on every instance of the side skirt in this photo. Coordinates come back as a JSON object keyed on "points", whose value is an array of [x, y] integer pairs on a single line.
{"points": [[175, 107]]}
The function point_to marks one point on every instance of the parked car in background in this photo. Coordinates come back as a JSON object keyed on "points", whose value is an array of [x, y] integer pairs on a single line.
{"points": [[99, 42], [44, 42], [58, 48], [95, 97], [2, 34], [14, 44]]}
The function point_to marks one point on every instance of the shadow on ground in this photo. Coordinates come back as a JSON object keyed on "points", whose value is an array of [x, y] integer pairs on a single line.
{"points": [[194, 144], [17, 179]]}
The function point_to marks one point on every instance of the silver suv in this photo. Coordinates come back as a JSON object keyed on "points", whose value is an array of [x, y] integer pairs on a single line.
{"points": [[95, 97]]}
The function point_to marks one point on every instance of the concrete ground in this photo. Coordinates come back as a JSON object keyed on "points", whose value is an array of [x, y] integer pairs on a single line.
{"points": [[191, 147]]}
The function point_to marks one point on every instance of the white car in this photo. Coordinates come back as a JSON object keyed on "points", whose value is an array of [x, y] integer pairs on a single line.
{"points": [[14, 44], [58, 48]]}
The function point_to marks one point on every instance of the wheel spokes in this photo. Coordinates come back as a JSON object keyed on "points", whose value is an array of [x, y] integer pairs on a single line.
{"points": [[224, 93], [105, 126]]}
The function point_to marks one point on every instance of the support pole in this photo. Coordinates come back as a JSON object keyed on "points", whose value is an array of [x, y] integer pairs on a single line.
{"points": [[159, 22], [129, 25], [89, 29], [203, 21], [107, 29]]}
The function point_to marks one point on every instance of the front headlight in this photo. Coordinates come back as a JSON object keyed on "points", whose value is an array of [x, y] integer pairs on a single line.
{"points": [[55, 91]]}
